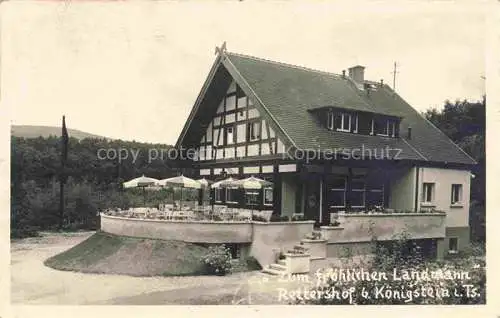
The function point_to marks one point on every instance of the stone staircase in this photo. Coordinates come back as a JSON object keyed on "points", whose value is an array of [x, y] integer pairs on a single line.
{"points": [[280, 267]]}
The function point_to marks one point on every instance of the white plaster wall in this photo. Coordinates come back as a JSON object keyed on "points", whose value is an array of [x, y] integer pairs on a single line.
{"points": [[360, 227], [275, 236], [443, 179], [187, 231], [402, 190]]}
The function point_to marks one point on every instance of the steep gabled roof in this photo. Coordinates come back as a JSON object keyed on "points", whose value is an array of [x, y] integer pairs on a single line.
{"points": [[286, 94], [289, 92]]}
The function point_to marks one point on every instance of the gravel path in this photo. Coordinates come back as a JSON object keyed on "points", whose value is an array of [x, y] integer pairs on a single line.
{"points": [[34, 283]]}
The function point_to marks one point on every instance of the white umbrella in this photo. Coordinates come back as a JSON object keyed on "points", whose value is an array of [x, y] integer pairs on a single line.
{"points": [[223, 183], [141, 182], [180, 182], [204, 182], [251, 183]]}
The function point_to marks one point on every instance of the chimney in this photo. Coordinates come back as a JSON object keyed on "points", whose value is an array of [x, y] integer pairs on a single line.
{"points": [[357, 73], [409, 132]]}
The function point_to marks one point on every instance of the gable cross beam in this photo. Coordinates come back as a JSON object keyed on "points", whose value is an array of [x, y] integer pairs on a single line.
{"points": [[222, 49]]}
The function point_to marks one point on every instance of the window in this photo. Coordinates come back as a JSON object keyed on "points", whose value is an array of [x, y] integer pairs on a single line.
{"points": [[337, 191], [453, 244], [383, 127], [428, 193], [391, 128], [252, 198], [231, 195], [456, 193], [330, 121], [355, 130], [357, 197], [217, 195], [253, 131], [268, 196], [229, 135], [339, 121], [375, 194], [380, 127]]}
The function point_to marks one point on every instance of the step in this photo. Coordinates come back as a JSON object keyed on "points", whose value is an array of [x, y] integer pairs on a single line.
{"points": [[278, 267], [269, 270], [282, 262], [302, 247], [315, 258]]}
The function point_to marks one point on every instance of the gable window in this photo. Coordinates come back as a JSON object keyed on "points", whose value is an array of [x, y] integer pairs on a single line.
{"points": [[229, 135], [268, 196], [253, 131], [456, 193], [428, 192]]}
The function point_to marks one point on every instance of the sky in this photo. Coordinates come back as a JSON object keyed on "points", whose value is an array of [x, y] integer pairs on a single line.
{"points": [[132, 70]]}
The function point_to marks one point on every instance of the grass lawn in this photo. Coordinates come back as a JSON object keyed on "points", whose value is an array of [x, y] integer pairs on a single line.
{"points": [[110, 254]]}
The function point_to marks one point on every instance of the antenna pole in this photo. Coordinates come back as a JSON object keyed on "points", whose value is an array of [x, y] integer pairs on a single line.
{"points": [[394, 76]]}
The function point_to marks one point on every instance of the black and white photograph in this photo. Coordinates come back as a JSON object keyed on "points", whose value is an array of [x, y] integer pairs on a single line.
{"points": [[246, 153]]}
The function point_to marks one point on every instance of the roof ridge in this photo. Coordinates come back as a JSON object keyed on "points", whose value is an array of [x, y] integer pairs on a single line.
{"points": [[285, 64]]}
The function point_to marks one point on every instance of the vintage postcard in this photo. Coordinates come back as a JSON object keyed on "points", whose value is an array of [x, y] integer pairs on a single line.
{"points": [[246, 153]]}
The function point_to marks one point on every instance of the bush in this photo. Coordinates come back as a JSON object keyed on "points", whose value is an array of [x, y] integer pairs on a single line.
{"points": [[400, 255], [258, 218], [298, 218], [279, 218], [217, 260]]}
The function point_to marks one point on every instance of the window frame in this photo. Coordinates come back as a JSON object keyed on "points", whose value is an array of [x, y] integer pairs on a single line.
{"points": [[264, 196], [450, 250], [250, 129], [252, 194], [338, 190], [425, 193], [459, 193], [229, 196], [227, 134], [342, 122], [359, 190], [217, 195]]}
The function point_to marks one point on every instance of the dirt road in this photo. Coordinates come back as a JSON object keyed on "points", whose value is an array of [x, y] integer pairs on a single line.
{"points": [[34, 283]]}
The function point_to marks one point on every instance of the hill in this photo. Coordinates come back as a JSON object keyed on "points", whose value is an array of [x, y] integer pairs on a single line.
{"points": [[29, 131], [110, 254]]}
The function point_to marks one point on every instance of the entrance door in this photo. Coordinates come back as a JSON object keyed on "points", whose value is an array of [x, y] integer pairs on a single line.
{"points": [[312, 200]]}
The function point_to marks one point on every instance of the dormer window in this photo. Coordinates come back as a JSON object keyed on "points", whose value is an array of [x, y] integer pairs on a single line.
{"points": [[342, 122], [383, 127]]}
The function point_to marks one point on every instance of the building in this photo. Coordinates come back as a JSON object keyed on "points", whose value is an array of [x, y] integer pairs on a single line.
{"points": [[334, 146]]}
